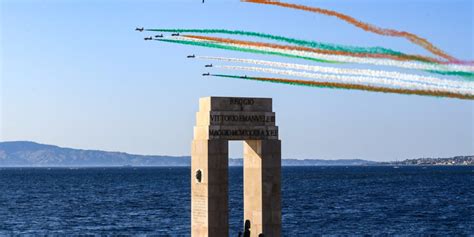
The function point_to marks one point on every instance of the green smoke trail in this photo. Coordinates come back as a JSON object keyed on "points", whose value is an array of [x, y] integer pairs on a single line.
{"points": [[469, 76], [312, 44], [344, 86], [219, 46], [276, 81], [465, 75]]}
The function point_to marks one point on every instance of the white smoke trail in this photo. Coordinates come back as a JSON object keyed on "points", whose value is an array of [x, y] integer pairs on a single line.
{"points": [[348, 59], [361, 60], [359, 72], [353, 79]]}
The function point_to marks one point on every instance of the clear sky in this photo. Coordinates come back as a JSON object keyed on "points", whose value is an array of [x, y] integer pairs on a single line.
{"points": [[75, 73]]}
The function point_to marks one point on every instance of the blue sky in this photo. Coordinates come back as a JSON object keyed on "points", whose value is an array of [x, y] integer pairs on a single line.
{"points": [[75, 74]]}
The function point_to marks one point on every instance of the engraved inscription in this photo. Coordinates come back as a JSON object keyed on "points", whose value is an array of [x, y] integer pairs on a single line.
{"points": [[242, 118], [244, 132], [236, 104], [199, 209], [242, 101]]}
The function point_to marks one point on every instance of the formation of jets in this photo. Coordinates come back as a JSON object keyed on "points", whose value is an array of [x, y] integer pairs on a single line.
{"points": [[141, 29]]}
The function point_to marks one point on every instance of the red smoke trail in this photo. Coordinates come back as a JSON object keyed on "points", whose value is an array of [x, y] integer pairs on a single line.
{"points": [[350, 86], [313, 50], [367, 27]]}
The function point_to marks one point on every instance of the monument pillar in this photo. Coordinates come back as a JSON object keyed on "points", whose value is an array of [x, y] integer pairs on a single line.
{"points": [[219, 120], [262, 185], [209, 185]]}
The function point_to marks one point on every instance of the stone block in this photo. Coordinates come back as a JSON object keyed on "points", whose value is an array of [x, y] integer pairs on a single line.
{"points": [[235, 104], [233, 118], [243, 132]]}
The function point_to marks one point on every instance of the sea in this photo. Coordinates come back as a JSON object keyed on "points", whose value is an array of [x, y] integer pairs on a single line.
{"points": [[333, 201]]}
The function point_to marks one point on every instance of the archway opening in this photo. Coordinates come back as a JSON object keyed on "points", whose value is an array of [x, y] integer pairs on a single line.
{"points": [[236, 188]]}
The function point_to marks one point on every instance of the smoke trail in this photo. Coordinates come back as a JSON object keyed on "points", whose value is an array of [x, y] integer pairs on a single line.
{"points": [[453, 69], [359, 72], [353, 79], [468, 75], [241, 49], [365, 26], [351, 87], [460, 70], [306, 49], [312, 44]]}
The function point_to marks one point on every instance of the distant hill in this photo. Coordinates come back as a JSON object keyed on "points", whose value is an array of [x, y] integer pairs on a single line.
{"points": [[38, 155], [31, 154]]}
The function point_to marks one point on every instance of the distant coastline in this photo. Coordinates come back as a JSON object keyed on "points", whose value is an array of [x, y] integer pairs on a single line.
{"points": [[457, 160], [31, 154]]}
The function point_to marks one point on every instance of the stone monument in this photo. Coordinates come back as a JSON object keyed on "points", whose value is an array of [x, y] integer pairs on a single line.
{"points": [[219, 120]]}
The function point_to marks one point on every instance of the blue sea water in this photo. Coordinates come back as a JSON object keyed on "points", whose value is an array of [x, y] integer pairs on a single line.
{"points": [[315, 201]]}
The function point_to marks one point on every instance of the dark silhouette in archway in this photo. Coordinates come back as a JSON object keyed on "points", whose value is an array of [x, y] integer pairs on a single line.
{"points": [[247, 228]]}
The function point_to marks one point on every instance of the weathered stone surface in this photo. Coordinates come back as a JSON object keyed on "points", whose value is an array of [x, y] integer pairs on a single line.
{"points": [[219, 120], [262, 185], [209, 196]]}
